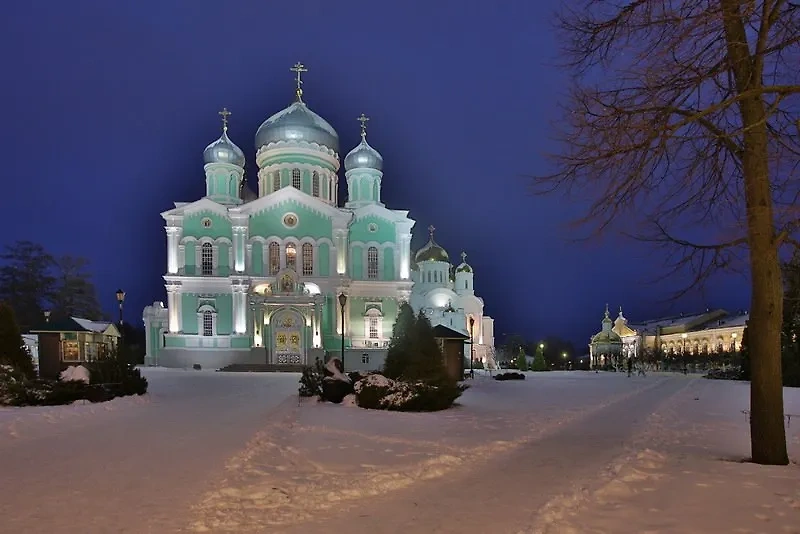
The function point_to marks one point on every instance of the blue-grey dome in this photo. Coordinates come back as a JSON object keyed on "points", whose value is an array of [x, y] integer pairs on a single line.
{"points": [[223, 150], [363, 157], [300, 124]]}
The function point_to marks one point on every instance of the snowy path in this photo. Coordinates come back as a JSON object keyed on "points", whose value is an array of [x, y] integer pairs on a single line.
{"points": [[133, 467], [507, 494]]}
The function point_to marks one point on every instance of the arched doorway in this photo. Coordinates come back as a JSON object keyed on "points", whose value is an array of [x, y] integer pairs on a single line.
{"points": [[287, 338]]}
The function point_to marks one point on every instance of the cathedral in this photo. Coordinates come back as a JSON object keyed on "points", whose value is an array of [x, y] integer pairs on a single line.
{"points": [[281, 274]]}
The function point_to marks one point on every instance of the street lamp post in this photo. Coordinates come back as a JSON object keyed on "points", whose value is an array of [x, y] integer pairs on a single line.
{"points": [[120, 301], [47, 316], [471, 345], [685, 366], [342, 302]]}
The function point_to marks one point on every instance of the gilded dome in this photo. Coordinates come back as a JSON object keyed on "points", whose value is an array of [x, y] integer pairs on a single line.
{"points": [[431, 251], [223, 150], [363, 156], [464, 267], [299, 124]]}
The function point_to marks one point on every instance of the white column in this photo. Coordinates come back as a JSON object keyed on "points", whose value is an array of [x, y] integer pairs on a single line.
{"points": [[173, 240], [405, 256], [239, 309], [173, 304], [239, 248], [341, 252]]}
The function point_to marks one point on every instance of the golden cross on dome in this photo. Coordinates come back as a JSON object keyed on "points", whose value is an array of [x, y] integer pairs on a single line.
{"points": [[431, 229], [363, 119], [298, 69], [463, 256], [224, 114]]}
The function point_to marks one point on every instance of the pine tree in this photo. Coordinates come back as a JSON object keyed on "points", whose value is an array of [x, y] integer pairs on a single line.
{"points": [[26, 281], [427, 359], [74, 293], [12, 349], [522, 361], [401, 344]]}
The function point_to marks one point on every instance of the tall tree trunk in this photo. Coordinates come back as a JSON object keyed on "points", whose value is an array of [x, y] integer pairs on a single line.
{"points": [[767, 431]]}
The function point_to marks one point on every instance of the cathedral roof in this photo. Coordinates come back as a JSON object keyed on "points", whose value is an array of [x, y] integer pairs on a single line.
{"points": [[297, 123], [223, 150], [431, 251]]}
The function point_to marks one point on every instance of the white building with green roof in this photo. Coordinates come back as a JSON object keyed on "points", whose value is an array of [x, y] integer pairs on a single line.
{"points": [[255, 275]]}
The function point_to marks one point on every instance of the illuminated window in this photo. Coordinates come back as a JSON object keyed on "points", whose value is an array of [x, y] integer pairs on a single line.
{"points": [[70, 351], [276, 181], [274, 258], [315, 184], [372, 263], [291, 256], [373, 327], [308, 259], [296, 178], [207, 259], [208, 323]]}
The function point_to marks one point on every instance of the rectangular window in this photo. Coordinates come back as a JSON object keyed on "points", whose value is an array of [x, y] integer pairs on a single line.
{"points": [[70, 352], [372, 263], [274, 258], [315, 184], [296, 178], [373, 327], [207, 259], [308, 259], [276, 181], [208, 323], [365, 358]]}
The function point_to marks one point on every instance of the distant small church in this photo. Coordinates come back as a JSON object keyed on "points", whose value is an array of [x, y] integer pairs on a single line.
{"points": [[275, 273]]}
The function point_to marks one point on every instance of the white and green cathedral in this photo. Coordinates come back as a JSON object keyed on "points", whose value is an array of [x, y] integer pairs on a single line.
{"points": [[273, 276]]}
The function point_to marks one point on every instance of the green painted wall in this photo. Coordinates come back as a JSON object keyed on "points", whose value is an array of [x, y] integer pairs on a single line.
{"points": [[243, 342], [189, 255], [385, 231], [356, 263], [324, 259], [224, 306], [310, 224], [257, 259], [388, 264], [189, 313], [220, 226], [223, 266]]}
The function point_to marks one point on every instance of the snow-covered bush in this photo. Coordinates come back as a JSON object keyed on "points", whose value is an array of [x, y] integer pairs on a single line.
{"points": [[509, 376], [77, 373], [377, 392], [311, 380]]}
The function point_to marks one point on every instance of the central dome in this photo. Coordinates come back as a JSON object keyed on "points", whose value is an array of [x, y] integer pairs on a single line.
{"points": [[297, 124]]}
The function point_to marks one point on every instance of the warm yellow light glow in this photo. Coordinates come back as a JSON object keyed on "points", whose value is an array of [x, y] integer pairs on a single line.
{"points": [[684, 336], [257, 340]]}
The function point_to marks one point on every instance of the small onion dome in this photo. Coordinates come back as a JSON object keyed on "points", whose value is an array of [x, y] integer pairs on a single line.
{"points": [[297, 123], [464, 267], [363, 157], [431, 251], [223, 150], [606, 336]]}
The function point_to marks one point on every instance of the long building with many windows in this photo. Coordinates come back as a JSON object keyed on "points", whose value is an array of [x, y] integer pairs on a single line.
{"points": [[276, 275]]}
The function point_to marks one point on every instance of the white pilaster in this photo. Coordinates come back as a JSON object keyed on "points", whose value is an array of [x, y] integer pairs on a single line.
{"points": [[341, 252], [405, 256], [239, 235], [174, 305], [173, 241]]}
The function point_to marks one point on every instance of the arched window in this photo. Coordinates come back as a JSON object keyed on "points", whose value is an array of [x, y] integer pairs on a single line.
{"points": [[208, 323], [207, 259], [330, 189], [296, 178], [308, 259], [291, 256], [466, 284], [274, 258], [315, 184], [372, 263], [276, 181]]}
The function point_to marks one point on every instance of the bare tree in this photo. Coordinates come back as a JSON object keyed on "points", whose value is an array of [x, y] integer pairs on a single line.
{"points": [[682, 121]]}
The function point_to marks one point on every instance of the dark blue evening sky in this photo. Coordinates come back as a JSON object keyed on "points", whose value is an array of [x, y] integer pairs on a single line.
{"points": [[108, 106]]}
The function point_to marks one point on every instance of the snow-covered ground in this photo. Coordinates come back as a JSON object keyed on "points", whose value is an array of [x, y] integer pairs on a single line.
{"points": [[134, 464], [558, 452]]}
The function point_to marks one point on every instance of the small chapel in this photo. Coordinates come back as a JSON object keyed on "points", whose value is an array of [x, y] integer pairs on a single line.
{"points": [[286, 269]]}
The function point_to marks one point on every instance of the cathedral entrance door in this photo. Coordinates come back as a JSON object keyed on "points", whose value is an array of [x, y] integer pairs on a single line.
{"points": [[288, 338]]}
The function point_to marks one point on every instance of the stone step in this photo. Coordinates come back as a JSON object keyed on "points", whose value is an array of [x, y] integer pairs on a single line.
{"points": [[262, 368]]}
